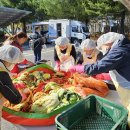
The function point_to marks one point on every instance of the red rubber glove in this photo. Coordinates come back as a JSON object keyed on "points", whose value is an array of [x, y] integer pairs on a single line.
{"points": [[103, 76], [77, 68]]}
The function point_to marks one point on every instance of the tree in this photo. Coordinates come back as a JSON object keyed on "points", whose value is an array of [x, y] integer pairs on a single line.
{"points": [[83, 10], [37, 13], [70, 9]]}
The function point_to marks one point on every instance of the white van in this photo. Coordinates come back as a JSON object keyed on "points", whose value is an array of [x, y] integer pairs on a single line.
{"points": [[75, 30]]}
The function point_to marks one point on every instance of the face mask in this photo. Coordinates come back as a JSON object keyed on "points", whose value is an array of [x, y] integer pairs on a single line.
{"points": [[88, 56], [63, 48], [104, 51], [10, 67]]}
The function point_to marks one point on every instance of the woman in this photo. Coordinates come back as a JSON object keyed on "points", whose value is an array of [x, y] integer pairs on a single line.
{"points": [[89, 53], [18, 40], [64, 53], [9, 56]]}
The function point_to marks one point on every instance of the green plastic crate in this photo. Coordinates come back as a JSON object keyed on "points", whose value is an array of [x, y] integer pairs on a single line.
{"points": [[93, 113]]}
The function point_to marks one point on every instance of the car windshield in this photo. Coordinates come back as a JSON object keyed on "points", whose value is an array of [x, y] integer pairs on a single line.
{"points": [[85, 29]]}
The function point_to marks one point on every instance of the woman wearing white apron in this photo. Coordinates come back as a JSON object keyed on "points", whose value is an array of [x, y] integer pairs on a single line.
{"points": [[9, 56], [116, 60], [64, 54], [90, 54]]}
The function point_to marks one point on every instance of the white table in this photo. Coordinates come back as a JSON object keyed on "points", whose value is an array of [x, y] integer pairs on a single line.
{"points": [[112, 96], [36, 128]]}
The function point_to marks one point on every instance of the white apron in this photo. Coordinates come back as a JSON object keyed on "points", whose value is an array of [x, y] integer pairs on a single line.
{"points": [[123, 89]]}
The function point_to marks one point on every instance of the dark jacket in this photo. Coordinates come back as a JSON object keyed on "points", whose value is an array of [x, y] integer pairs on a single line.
{"points": [[38, 44], [72, 53], [117, 58], [7, 88], [80, 57]]}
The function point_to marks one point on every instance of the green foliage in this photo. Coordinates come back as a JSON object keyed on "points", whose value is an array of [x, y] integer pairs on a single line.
{"points": [[29, 5], [83, 10]]}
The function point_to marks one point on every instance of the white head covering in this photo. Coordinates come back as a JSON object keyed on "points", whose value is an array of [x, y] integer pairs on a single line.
{"points": [[88, 44], [62, 41], [11, 54], [109, 37]]}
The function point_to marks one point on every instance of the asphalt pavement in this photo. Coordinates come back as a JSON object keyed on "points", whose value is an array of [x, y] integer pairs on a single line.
{"points": [[47, 53]]}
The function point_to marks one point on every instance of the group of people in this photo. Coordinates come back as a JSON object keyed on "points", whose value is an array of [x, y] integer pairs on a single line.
{"points": [[111, 54], [64, 51]]}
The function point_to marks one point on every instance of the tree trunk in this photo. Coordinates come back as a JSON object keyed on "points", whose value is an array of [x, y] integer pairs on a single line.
{"points": [[12, 28], [24, 26], [122, 27]]}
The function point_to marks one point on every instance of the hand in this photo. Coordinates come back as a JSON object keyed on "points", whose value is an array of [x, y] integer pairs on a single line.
{"points": [[29, 63], [64, 58], [77, 68]]}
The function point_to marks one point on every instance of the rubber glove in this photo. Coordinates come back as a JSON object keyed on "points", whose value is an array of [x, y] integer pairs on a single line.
{"points": [[103, 76], [57, 66], [77, 68]]}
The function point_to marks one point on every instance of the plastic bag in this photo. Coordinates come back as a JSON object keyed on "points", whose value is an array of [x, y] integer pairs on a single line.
{"points": [[44, 46], [123, 89], [31, 44]]}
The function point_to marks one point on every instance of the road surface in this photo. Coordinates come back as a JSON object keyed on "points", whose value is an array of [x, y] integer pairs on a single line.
{"points": [[47, 53]]}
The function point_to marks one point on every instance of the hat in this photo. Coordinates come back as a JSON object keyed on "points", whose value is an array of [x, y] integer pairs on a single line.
{"points": [[88, 44], [109, 37], [62, 41], [11, 54]]}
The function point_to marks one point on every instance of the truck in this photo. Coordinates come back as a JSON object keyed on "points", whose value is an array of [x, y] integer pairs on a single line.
{"points": [[76, 31]]}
